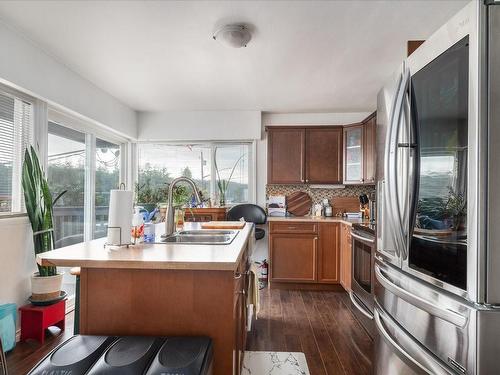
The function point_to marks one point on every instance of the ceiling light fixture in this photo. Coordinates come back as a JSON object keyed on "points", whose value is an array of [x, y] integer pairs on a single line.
{"points": [[235, 36]]}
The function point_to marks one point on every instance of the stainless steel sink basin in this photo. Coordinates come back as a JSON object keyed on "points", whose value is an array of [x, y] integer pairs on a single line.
{"points": [[202, 237]]}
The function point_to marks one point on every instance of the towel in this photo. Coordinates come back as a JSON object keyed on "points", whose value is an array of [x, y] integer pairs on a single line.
{"points": [[253, 297]]}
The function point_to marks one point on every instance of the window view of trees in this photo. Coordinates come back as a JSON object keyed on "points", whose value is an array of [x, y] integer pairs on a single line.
{"points": [[66, 171], [159, 164]]}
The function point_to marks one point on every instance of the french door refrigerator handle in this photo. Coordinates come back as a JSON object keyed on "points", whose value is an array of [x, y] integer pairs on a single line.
{"points": [[362, 309], [409, 145], [393, 162], [430, 367], [450, 316], [388, 190]]}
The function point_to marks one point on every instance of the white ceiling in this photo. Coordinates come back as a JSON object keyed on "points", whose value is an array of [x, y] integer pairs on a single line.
{"points": [[305, 56]]}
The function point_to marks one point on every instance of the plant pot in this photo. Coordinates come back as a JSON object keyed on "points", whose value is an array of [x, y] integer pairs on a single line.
{"points": [[46, 288]]}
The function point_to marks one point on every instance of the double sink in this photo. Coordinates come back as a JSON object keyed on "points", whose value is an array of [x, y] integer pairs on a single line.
{"points": [[201, 237]]}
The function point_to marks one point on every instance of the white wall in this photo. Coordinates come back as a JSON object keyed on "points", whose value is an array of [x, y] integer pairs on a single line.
{"points": [[294, 119], [199, 125], [17, 260], [28, 68]]}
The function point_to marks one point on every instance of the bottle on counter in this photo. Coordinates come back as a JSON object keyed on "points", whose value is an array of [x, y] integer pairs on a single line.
{"points": [[149, 232]]}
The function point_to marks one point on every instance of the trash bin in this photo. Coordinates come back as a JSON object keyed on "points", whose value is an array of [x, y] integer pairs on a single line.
{"points": [[127, 356], [8, 326], [183, 355], [74, 356]]}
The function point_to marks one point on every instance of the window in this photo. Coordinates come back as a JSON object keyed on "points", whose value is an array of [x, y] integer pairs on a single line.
{"points": [[209, 165], [66, 171], [16, 124], [107, 177], [87, 167]]}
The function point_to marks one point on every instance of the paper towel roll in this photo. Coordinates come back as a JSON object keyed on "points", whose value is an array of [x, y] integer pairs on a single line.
{"points": [[120, 216]]}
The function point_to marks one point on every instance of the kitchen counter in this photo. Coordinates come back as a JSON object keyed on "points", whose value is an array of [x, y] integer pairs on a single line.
{"points": [[318, 219], [165, 290], [93, 254]]}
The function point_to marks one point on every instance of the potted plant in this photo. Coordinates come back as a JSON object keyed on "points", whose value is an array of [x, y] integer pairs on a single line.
{"points": [[222, 183], [46, 283]]}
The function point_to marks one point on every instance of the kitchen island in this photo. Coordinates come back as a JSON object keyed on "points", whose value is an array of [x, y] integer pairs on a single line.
{"points": [[165, 289]]}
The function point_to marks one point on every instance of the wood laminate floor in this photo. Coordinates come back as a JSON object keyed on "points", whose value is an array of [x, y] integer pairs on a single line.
{"points": [[319, 324]]}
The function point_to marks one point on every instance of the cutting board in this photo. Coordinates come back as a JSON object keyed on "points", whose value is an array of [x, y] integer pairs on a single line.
{"points": [[223, 225], [345, 204], [298, 203]]}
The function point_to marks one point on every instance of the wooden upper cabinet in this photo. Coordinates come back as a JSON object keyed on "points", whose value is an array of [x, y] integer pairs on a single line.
{"points": [[286, 154], [360, 152], [353, 154], [369, 150], [324, 155]]}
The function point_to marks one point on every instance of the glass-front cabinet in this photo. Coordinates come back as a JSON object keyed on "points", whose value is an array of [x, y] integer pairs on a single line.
{"points": [[353, 154]]}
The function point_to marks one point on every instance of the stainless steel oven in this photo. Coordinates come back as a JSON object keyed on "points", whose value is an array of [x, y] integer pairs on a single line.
{"points": [[362, 282]]}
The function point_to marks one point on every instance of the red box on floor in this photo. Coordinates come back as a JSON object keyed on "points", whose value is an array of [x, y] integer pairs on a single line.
{"points": [[36, 319]]}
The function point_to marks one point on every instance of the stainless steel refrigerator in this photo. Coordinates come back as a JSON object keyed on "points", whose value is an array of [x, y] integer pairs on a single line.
{"points": [[437, 266]]}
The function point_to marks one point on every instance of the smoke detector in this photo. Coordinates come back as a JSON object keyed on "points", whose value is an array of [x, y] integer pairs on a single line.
{"points": [[235, 36]]}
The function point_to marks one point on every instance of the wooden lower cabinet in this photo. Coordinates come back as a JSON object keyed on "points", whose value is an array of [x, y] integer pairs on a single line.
{"points": [[293, 257], [307, 254], [205, 214], [328, 253], [240, 314], [345, 256], [156, 302]]}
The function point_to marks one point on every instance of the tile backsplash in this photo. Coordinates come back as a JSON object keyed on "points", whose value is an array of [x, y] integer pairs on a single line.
{"points": [[317, 195]]}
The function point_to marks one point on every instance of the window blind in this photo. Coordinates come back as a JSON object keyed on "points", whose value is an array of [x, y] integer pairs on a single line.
{"points": [[16, 124]]}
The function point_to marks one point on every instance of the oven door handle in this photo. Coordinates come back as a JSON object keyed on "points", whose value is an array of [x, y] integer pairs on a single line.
{"points": [[361, 238], [362, 309], [450, 316]]}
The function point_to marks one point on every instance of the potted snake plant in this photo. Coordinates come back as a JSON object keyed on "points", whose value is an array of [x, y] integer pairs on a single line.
{"points": [[46, 283]]}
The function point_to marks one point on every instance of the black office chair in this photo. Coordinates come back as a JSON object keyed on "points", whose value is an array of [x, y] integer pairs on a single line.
{"points": [[251, 213]]}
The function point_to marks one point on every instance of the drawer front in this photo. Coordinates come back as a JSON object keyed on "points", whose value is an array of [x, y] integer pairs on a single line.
{"points": [[293, 227]]}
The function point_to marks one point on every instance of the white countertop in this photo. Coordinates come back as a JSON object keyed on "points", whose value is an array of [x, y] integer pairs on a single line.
{"points": [[93, 254]]}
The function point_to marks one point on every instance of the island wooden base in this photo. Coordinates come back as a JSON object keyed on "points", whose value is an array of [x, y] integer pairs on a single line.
{"points": [[163, 303]]}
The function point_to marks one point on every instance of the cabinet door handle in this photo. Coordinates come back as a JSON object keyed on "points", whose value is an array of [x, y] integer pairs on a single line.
{"points": [[307, 180], [241, 292], [238, 275]]}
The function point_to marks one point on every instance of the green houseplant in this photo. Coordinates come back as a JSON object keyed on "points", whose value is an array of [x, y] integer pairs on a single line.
{"points": [[46, 283], [222, 183]]}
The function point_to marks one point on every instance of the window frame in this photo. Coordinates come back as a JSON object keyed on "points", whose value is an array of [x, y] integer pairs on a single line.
{"points": [[252, 162], [91, 132]]}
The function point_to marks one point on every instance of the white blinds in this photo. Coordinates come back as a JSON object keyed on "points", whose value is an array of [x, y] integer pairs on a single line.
{"points": [[16, 123]]}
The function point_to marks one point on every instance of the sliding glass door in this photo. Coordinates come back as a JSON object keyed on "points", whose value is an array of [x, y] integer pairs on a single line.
{"points": [[66, 172]]}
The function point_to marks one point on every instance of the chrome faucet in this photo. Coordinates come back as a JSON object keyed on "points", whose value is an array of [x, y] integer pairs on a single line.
{"points": [[169, 222]]}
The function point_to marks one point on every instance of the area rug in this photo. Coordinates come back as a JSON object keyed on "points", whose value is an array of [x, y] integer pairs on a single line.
{"points": [[274, 363]]}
